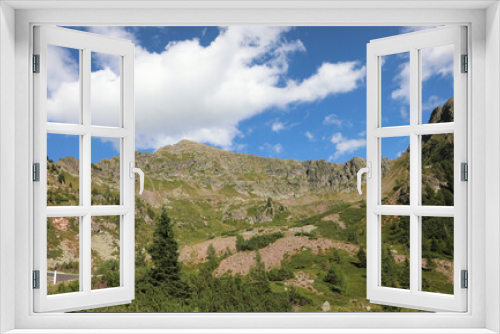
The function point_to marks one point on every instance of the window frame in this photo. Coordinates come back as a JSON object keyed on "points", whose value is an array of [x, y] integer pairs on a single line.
{"points": [[413, 44], [86, 44], [476, 317]]}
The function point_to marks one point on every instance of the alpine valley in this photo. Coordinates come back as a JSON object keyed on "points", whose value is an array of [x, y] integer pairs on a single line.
{"points": [[218, 231]]}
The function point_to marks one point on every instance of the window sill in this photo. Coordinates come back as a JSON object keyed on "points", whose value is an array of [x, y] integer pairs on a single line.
{"points": [[252, 331]]}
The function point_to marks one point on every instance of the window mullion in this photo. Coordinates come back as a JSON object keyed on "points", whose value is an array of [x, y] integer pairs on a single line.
{"points": [[86, 175], [414, 171]]}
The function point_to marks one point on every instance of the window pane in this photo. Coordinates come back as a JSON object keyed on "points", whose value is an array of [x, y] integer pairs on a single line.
{"points": [[437, 170], [105, 171], [105, 252], [63, 85], [395, 89], [63, 255], [396, 251], [437, 84], [63, 170], [437, 254], [105, 89], [395, 167]]}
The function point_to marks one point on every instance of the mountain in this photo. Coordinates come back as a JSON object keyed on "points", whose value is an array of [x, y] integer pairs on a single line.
{"points": [[242, 209], [206, 170]]}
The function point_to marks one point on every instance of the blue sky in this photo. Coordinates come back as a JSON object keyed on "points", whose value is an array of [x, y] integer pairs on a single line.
{"points": [[281, 92]]}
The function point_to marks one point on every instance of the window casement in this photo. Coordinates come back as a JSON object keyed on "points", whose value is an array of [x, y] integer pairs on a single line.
{"points": [[417, 211], [85, 131]]}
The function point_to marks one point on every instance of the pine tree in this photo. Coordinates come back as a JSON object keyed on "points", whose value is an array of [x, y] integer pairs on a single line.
{"points": [[336, 278], [336, 256], [390, 273], [404, 279], [213, 261], [164, 254]]}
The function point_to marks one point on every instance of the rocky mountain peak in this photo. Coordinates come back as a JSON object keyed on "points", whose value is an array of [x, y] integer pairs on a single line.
{"points": [[70, 164], [443, 114]]}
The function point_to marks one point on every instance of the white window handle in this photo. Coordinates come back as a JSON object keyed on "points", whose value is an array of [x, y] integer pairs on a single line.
{"points": [[368, 171], [134, 170]]}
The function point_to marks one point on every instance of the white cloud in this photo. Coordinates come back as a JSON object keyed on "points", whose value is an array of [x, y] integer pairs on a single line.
{"points": [[344, 145], [309, 135], [403, 111], [332, 119], [433, 102], [112, 31], [202, 93], [62, 69], [436, 61], [269, 148], [277, 126], [337, 138], [335, 120]]}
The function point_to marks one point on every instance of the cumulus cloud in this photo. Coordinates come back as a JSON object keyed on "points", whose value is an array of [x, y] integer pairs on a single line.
{"points": [[113, 31], [403, 111], [436, 61], [270, 148], [62, 69], [335, 120], [309, 135], [202, 93], [277, 126], [433, 102], [344, 145]]}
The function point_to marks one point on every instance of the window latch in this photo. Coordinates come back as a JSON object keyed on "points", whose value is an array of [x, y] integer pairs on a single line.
{"points": [[368, 171], [132, 171]]}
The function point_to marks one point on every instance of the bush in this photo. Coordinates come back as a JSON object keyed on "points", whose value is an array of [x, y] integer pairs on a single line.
{"points": [[257, 242], [280, 274]]}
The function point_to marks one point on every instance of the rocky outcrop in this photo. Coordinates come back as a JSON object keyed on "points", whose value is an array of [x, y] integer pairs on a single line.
{"points": [[202, 167]]}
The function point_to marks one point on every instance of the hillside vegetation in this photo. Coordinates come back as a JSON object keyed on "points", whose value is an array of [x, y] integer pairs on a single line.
{"points": [[218, 231]]}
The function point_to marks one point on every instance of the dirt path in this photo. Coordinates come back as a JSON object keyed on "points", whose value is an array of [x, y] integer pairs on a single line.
{"points": [[272, 255]]}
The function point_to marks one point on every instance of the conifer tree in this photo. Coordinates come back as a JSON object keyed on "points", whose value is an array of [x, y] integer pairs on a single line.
{"points": [[336, 278], [404, 279], [164, 254]]}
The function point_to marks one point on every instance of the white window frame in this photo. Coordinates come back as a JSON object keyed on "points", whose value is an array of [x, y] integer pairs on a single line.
{"points": [[413, 43], [86, 43], [484, 212]]}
